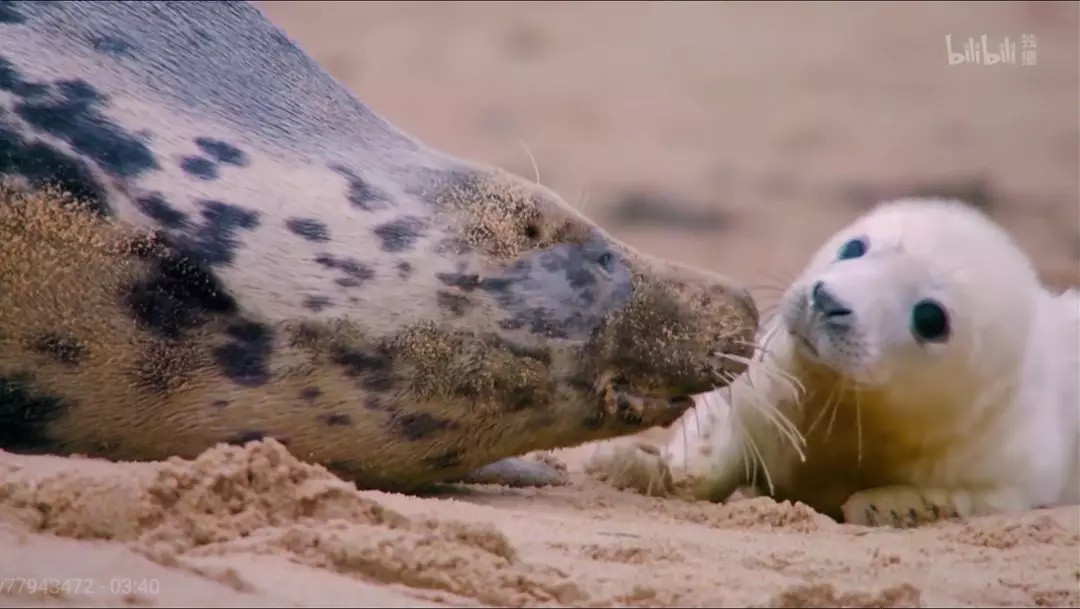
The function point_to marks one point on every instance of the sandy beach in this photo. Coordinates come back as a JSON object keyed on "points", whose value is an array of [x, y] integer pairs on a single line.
{"points": [[733, 136]]}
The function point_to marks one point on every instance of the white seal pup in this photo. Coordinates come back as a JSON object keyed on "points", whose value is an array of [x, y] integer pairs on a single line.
{"points": [[915, 370]]}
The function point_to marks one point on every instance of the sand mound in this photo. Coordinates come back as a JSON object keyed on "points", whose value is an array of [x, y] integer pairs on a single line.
{"points": [[253, 526], [258, 500]]}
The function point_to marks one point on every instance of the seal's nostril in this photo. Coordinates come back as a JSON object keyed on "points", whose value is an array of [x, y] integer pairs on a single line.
{"points": [[826, 302]]}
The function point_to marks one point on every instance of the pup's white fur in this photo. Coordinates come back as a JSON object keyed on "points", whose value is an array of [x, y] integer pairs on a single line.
{"points": [[875, 425]]}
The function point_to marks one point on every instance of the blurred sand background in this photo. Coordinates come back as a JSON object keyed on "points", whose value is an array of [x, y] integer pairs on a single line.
{"points": [[734, 136]]}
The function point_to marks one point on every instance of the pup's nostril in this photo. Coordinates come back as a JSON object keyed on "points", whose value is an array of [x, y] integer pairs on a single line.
{"points": [[826, 302]]}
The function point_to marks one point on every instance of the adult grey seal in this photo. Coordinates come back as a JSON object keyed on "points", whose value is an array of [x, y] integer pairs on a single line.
{"points": [[916, 370], [246, 251]]}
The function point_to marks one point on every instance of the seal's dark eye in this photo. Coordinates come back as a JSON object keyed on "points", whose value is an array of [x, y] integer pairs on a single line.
{"points": [[929, 322], [606, 262], [852, 249]]}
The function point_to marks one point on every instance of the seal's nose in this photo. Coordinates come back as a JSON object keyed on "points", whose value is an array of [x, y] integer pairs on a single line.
{"points": [[826, 303]]}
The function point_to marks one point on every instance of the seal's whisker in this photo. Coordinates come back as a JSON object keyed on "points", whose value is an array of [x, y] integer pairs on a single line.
{"points": [[793, 384], [822, 411], [754, 346], [536, 167], [834, 408], [761, 461], [781, 422], [858, 428], [769, 335], [784, 278], [766, 287], [746, 462], [776, 417]]}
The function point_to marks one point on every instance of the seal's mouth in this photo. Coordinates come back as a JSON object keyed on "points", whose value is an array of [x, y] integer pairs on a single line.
{"points": [[801, 339], [619, 403]]}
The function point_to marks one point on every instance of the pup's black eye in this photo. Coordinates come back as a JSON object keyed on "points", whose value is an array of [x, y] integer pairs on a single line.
{"points": [[853, 249], [606, 262], [929, 321]]}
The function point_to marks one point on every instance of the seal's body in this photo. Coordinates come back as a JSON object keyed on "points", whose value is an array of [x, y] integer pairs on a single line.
{"points": [[247, 251], [924, 371]]}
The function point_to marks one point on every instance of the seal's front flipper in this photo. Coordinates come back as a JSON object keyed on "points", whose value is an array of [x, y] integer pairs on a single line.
{"points": [[517, 472], [903, 506], [631, 464]]}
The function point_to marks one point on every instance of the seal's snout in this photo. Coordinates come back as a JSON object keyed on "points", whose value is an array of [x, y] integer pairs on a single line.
{"points": [[681, 332], [836, 312]]}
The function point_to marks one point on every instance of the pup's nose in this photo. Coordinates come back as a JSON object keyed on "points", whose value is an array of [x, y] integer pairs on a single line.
{"points": [[827, 303]]}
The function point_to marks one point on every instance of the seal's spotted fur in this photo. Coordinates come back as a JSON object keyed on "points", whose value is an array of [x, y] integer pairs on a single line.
{"points": [[204, 238]]}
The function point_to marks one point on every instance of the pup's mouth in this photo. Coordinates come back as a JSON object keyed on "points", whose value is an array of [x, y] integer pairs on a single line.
{"points": [[804, 342]]}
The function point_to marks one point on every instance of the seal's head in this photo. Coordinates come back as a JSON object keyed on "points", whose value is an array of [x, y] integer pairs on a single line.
{"points": [[927, 295], [614, 327]]}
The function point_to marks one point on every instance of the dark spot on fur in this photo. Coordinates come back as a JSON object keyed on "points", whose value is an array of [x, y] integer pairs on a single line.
{"points": [[374, 369], [512, 323], [454, 246], [540, 320], [199, 167], [11, 80], [404, 269], [455, 303], [357, 272], [446, 460], [317, 303], [310, 393], [244, 358], [335, 419], [465, 281], [496, 285], [374, 402], [399, 235], [73, 114], [111, 45], [157, 208], [222, 152], [419, 426], [355, 269], [177, 296], [8, 14], [25, 416], [361, 194], [219, 403], [41, 164], [308, 228], [244, 437], [534, 353], [64, 349], [215, 241], [532, 231]]}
